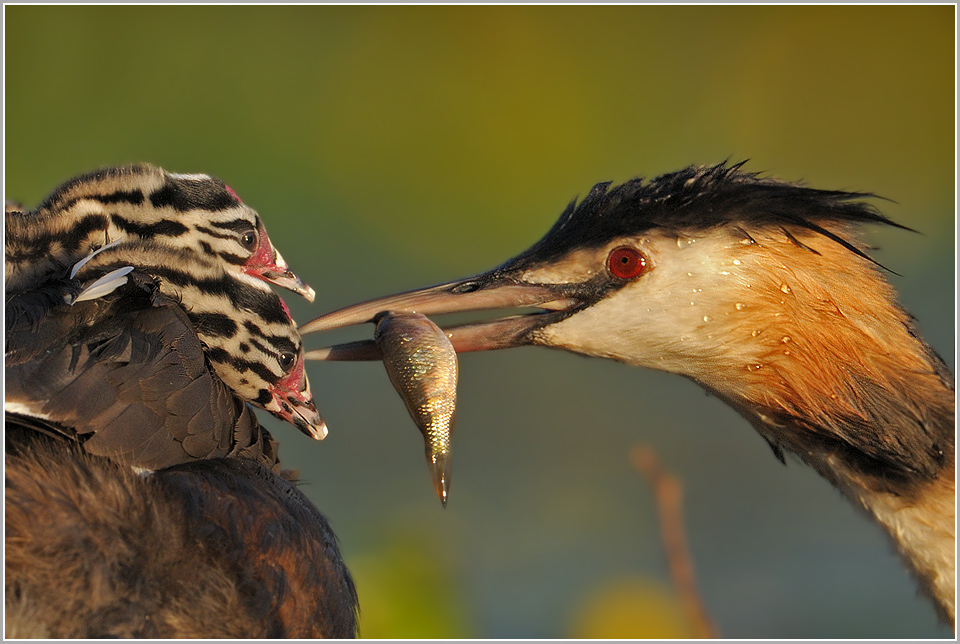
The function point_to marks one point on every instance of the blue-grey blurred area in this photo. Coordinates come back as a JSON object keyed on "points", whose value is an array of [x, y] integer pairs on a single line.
{"points": [[391, 147]]}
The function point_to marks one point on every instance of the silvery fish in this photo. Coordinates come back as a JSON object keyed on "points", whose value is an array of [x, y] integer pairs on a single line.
{"points": [[422, 366]]}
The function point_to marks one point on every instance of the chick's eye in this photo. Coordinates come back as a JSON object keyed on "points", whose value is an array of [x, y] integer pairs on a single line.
{"points": [[626, 262], [249, 240], [287, 360]]}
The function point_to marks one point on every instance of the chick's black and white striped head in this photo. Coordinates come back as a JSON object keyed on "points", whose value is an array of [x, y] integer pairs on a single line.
{"points": [[249, 337], [190, 211]]}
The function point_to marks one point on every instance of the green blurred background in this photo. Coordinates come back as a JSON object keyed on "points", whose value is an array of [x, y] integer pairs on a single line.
{"points": [[393, 147]]}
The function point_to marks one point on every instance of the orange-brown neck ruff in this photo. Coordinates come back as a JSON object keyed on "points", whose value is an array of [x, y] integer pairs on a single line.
{"points": [[804, 337], [840, 377]]}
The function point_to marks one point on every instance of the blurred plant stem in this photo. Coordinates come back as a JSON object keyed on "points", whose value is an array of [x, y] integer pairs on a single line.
{"points": [[668, 493]]}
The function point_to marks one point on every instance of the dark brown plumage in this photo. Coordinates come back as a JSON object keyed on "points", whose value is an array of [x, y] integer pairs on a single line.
{"points": [[220, 548], [124, 374], [143, 498]]}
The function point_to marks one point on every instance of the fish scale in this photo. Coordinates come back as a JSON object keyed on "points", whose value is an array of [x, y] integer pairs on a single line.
{"points": [[422, 365]]}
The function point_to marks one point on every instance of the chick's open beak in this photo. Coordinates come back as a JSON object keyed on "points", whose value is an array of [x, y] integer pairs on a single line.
{"points": [[267, 263], [292, 401], [278, 272]]}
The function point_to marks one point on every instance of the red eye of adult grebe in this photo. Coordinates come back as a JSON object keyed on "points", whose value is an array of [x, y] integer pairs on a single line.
{"points": [[626, 262]]}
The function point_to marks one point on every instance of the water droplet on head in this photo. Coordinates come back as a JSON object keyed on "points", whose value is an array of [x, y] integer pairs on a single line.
{"points": [[706, 318], [785, 339], [741, 306], [754, 333], [785, 288], [736, 262]]}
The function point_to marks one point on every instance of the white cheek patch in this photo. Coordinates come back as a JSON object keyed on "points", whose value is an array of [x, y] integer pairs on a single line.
{"points": [[672, 318]]}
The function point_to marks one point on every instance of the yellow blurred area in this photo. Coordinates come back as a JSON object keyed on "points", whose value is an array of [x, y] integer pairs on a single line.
{"points": [[408, 592], [631, 608]]}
